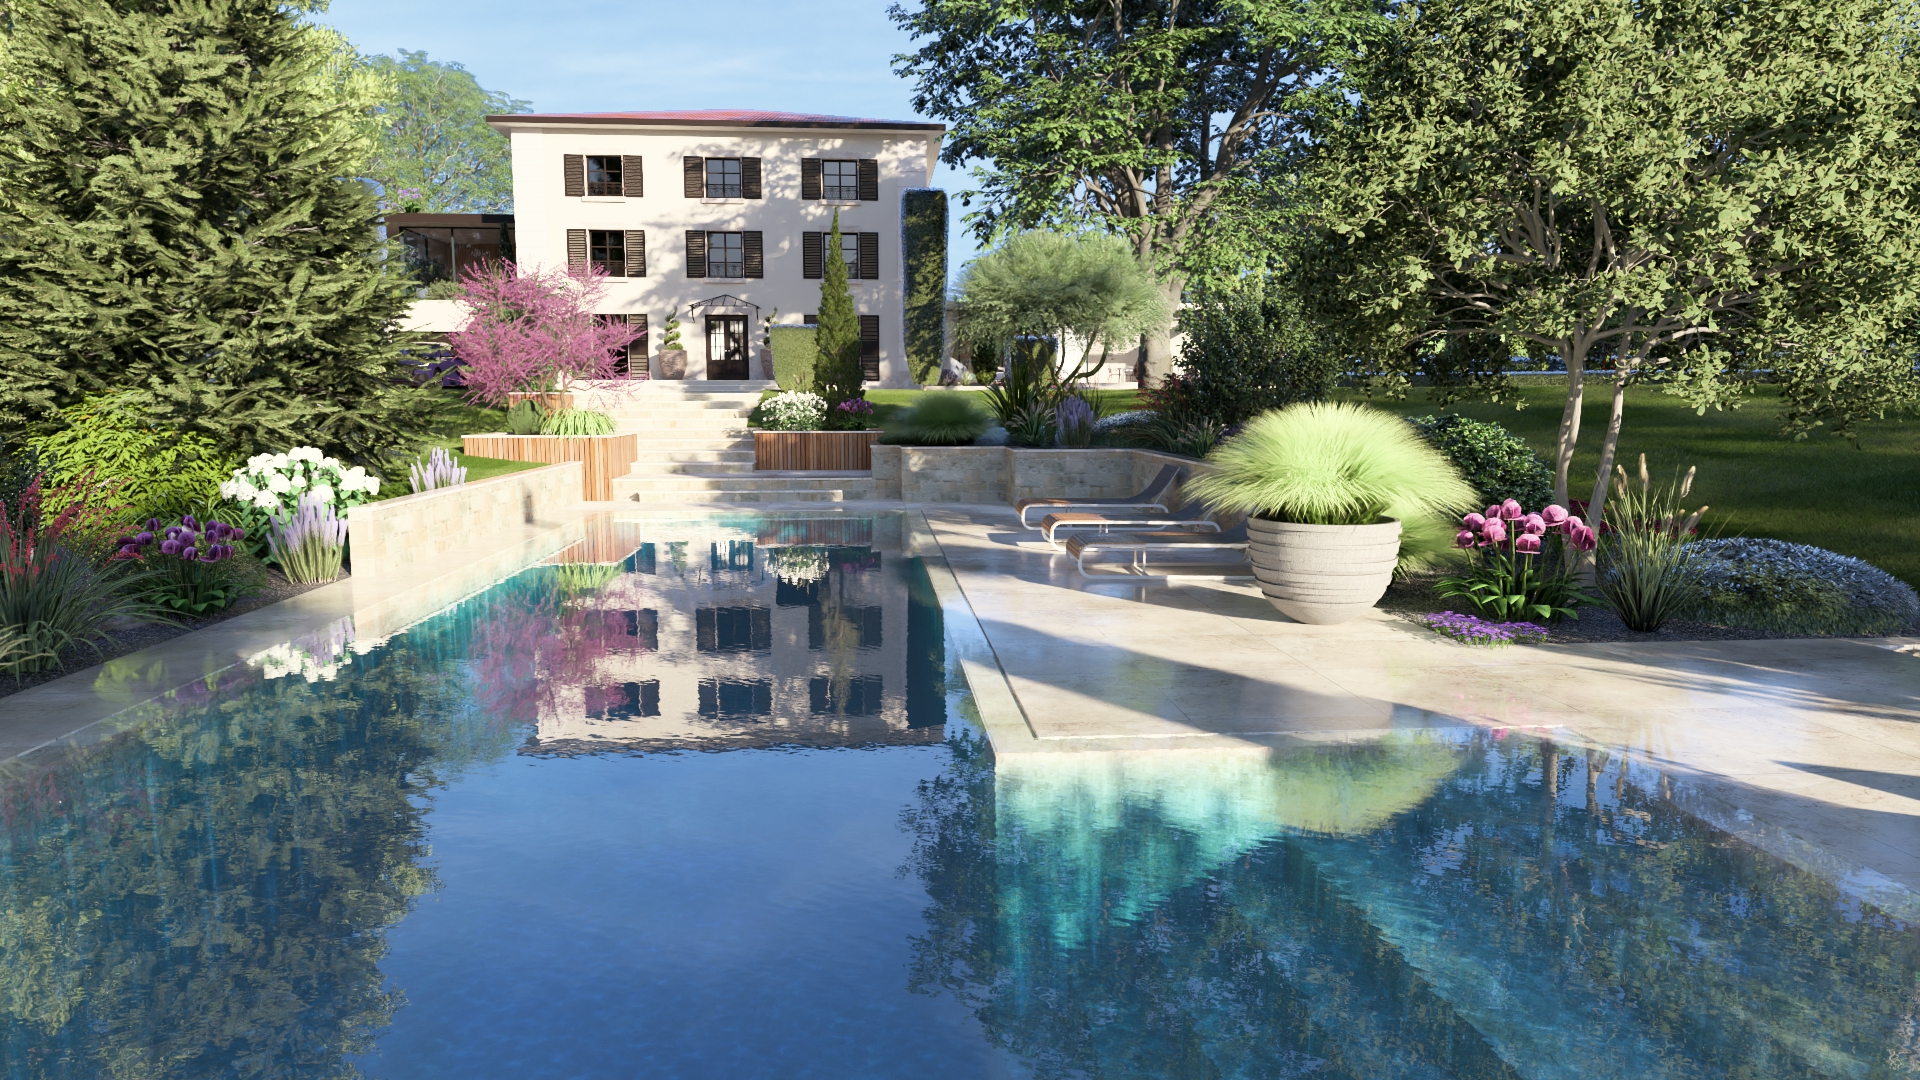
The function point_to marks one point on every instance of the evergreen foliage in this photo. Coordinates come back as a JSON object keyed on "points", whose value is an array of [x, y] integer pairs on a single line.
{"points": [[436, 154], [923, 228], [1052, 284], [160, 473], [836, 375], [794, 356], [1499, 464], [180, 219], [1248, 350]]}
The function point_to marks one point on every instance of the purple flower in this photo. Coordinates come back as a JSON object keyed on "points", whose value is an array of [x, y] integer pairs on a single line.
{"points": [[238, 534], [1555, 515], [1581, 537], [1464, 538], [153, 524], [145, 538], [1535, 525], [1476, 631], [169, 546], [1493, 532], [1511, 510], [1474, 521], [1527, 543], [188, 521], [189, 553]]}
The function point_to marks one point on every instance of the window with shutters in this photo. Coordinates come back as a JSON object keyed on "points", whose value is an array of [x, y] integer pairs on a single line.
{"points": [[623, 366], [603, 175], [726, 255], [840, 181], [860, 251], [870, 348], [850, 251], [607, 251], [723, 178]]}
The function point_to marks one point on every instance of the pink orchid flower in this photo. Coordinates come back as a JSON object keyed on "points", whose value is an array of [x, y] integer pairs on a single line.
{"points": [[1473, 521], [1464, 538], [1494, 532]]}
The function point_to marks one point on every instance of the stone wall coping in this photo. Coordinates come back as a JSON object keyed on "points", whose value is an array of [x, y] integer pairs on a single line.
{"points": [[366, 511]]}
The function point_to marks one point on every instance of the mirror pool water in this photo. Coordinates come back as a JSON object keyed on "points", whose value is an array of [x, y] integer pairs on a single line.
{"points": [[703, 799]]}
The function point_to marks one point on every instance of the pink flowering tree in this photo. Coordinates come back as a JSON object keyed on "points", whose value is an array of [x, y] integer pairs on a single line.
{"points": [[534, 331]]}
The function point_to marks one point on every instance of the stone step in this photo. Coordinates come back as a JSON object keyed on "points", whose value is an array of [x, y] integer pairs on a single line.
{"points": [[683, 423], [627, 485], [655, 455], [692, 468]]}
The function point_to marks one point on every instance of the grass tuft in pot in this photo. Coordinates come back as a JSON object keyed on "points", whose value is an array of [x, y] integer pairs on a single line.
{"points": [[1333, 464]]}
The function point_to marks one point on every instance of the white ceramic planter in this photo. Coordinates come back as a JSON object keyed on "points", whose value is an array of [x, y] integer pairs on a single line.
{"points": [[1322, 573]]}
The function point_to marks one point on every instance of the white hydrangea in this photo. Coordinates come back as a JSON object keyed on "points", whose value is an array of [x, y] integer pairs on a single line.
{"points": [[276, 482], [795, 410], [323, 492]]}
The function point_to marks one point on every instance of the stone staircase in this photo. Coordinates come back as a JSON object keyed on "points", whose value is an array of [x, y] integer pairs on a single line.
{"points": [[695, 447]]}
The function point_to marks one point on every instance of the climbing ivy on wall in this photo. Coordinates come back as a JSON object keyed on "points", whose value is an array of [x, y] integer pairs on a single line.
{"points": [[923, 233]]}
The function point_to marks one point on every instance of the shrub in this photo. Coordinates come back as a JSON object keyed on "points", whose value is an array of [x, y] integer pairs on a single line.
{"points": [[946, 419], [1028, 384], [534, 331], [443, 290], [54, 595], [794, 356], [923, 230], [1778, 587], [1499, 464], [526, 417], [438, 471], [308, 544], [192, 568], [159, 471], [1246, 352], [670, 333], [1330, 464], [1032, 426], [272, 483], [577, 422], [1648, 570], [795, 411], [1523, 564]]}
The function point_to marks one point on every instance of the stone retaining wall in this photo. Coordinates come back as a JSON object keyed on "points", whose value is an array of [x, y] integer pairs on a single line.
{"points": [[999, 474], [413, 532]]}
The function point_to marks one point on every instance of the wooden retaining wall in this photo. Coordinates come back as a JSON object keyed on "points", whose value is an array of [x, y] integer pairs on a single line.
{"points": [[552, 402], [602, 457], [824, 451]]}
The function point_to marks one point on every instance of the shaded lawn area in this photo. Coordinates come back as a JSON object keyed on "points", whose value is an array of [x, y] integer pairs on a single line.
{"points": [[1858, 499], [890, 403], [453, 418]]}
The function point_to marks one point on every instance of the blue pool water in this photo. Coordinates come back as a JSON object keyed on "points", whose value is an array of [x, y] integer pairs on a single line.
{"points": [[714, 809]]}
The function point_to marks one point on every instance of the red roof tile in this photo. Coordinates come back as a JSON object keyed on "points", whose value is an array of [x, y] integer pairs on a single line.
{"points": [[716, 118]]}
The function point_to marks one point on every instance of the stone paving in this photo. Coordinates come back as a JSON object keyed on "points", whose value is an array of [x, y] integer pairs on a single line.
{"points": [[1810, 747]]}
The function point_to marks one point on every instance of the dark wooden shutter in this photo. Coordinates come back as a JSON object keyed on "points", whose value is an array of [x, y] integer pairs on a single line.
{"points": [[694, 171], [622, 360], [869, 180], [810, 178], [870, 348], [577, 250], [810, 254], [750, 254], [870, 256], [696, 253], [637, 252], [632, 180], [750, 178], [573, 169]]}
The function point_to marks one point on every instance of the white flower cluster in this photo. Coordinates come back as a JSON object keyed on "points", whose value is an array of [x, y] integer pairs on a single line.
{"points": [[798, 565], [277, 481], [795, 410], [316, 657]]}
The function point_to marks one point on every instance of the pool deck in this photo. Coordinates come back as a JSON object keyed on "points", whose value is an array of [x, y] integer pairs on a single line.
{"points": [[1809, 747]]}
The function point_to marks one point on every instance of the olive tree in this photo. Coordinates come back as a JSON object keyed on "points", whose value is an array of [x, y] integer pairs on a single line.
{"points": [[1045, 284], [1697, 193]]}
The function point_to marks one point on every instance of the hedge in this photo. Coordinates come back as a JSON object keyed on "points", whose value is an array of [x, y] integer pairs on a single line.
{"points": [[923, 235], [793, 357]]}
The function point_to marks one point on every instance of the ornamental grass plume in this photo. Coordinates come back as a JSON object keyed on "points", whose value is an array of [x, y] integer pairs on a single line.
{"points": [[439, 471], [309, 543]]}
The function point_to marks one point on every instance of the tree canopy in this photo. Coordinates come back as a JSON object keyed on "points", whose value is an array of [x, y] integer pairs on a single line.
{"points": [[436, 154], [1043, 284], [1686, 191], [1173, 124]]}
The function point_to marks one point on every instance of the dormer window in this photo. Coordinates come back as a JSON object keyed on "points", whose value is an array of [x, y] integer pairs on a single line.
{"points": [[723, 178], [603, 175]]}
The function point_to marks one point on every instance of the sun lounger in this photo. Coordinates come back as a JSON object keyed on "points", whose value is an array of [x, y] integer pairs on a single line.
{"points": [[1140, 545], [1193, 516], [1148, 498]]}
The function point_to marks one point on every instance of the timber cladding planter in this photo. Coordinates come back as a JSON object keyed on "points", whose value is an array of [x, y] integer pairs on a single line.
{"points": [[1322, 573], [824, 451], [602, 457], [552, 402]]}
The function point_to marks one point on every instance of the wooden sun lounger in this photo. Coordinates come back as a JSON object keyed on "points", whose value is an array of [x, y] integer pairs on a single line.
{"points": [[1192, 516], [1148, 498], [1162, 542]]}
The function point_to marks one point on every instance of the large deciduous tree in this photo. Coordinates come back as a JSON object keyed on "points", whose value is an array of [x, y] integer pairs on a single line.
{"points": [[1699, 192], [1171, 122], [180, 218], [436, 153]]}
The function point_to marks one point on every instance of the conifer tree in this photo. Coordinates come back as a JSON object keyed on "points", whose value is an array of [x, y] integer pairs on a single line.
{"points": [[180, 219], [837, 336]]}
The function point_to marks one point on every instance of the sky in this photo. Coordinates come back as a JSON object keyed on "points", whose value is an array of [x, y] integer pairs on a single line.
{"points": [[824, 56]]}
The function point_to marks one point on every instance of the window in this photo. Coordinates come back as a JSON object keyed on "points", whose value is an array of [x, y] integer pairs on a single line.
{"points": [[859, 250], [603, 175], [840, 181], [723, 182], [623, 701], [733, 629], [607, 251], [858, 696], [735, 699], [726, 256], [850, 251]]}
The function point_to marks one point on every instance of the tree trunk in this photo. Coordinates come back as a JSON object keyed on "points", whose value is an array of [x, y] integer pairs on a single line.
{"points": [[1569, 419], [1596, 507], [1157, 362]]}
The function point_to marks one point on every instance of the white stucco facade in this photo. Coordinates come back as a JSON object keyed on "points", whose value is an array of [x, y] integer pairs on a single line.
{"points": [[544, 213]]}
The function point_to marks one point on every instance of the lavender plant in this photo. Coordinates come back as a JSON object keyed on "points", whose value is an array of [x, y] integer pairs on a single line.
{"points": [[1073, 418], [1477, 631], [309, 543], [439, 471]]}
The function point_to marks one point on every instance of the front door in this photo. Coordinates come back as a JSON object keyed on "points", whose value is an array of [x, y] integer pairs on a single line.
{"points": [[726, 346]]}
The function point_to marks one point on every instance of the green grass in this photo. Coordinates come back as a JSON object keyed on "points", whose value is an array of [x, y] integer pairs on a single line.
{"points": [[1858, 499], [453, 418], [889, 403]]}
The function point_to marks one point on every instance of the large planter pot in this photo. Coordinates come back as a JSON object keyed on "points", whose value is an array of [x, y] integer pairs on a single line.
{"points": [[1322, 573], [552, 402], [824, 451], [602, 457], [765, 356], [670, 364]]}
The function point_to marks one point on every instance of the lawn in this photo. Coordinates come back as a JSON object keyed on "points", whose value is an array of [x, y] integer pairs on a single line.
{"points": [[453, 418]]}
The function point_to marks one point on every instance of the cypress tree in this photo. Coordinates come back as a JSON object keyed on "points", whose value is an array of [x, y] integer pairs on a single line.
{"points": [[180, 220], [837, 336]]}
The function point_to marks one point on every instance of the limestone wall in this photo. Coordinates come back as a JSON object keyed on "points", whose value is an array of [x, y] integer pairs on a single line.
{"points": [[415, 532], [998, 474]]}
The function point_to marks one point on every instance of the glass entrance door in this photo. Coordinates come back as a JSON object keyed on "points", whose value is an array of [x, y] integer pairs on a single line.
{"points": [[726, 346]]}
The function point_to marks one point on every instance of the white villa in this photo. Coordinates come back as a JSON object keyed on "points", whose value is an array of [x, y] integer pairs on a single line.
{"points": [[718, 217]]}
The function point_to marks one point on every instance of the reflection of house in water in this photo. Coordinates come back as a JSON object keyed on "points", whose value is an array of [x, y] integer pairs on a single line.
{"points": [[752, 632]]}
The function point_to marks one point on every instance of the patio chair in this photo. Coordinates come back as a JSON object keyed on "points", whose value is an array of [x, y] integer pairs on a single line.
{"points": [[1192, 516], [1140, 545], [1148, 498]]}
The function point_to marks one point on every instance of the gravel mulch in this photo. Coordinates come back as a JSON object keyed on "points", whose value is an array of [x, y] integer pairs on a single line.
{"points": [[133, 637]]}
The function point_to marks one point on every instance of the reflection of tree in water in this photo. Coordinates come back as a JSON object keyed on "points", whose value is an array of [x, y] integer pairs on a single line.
{"points": [[1520, 914], [205, 895]]}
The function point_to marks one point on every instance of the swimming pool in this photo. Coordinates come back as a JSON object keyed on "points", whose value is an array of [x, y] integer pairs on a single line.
{"points": [[702, 799]]}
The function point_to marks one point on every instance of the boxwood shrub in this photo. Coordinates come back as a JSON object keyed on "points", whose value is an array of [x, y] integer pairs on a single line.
{"points": [[1499, 464]]}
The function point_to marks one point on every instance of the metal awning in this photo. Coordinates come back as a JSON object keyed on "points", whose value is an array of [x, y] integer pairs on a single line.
{"points": [[723, 300]]}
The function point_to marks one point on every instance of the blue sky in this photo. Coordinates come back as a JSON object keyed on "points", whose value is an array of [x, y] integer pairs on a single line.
{"points": [[826, 56]]}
